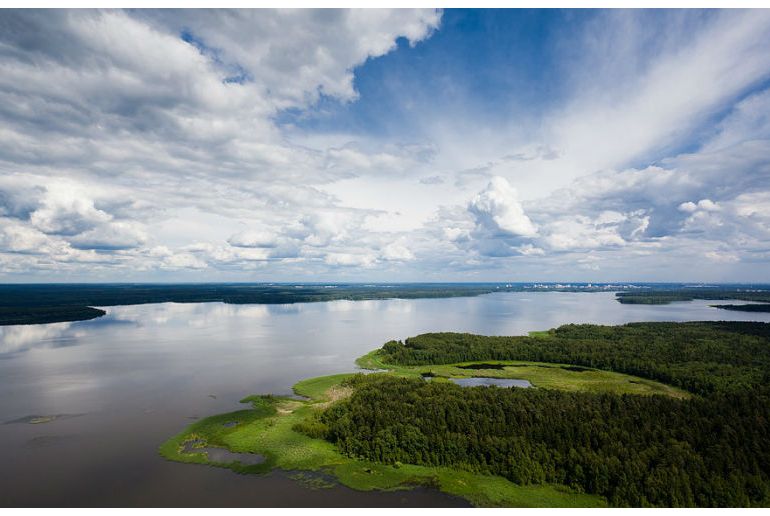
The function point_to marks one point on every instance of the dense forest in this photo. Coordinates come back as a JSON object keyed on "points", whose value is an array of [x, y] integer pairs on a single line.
{"points": [[700, 357], [235, 293], [745, 308], [711, 450], [46, 314]]}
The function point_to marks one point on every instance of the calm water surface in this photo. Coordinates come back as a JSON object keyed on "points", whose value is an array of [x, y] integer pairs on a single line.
{"points": [[476, 381], [120, 385]]}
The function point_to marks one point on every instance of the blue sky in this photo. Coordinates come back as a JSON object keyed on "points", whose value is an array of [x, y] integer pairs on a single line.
{"points": [[455, 145], [485, 62]]}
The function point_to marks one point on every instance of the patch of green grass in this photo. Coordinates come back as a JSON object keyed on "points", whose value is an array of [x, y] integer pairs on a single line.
{"points": [[481, 490], [492, 491], [541, 375], [268, 429], [372, 361], [561, 377], [315, 388]]}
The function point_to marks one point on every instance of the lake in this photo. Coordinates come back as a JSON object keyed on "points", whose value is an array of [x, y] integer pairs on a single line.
{"points": [[86, 404]]}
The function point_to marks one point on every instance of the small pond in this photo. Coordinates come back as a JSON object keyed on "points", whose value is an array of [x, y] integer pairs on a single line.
{"points": [[222, 455], [487, 382]]}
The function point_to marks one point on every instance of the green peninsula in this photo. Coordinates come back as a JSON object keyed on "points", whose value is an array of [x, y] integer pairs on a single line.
{"points": [[13, 315], [645, 414]]}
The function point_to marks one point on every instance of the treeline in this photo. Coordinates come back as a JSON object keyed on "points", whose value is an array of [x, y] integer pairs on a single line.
{"points": [[666, 296], [701, 357], [745, 308], [235, 293], [711, 450], [46, 314], [634, 450]]}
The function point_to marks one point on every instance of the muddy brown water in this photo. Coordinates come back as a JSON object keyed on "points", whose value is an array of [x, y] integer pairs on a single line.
{"points": [[142, 373]]}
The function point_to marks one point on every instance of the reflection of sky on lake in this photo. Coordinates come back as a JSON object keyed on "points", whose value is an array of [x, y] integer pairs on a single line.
{"points": [[20, 338], [141, 372], [509, 313]]}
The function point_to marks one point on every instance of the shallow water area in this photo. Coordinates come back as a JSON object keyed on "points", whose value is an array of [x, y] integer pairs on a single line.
{"points": [[221, 455]]}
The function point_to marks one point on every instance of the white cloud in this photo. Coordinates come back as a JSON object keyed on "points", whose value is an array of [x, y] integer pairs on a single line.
{"points": [[498, 210], [722, 257], [16, 237], [112, 236], [455, 234], [286, 53], [530, 250], [253, 239], [65, 210], [184, 261], [703, 205], [350, 260], [622, 117], [397, 251], [581, 233]]}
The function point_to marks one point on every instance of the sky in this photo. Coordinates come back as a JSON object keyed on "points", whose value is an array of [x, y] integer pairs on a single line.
{"points": [[384, 145]]}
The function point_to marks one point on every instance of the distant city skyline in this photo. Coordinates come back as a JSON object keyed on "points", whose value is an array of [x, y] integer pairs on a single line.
{"points": [[385, 145]]}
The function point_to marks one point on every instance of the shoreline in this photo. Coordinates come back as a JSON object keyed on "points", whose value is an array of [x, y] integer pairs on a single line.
{"points": [[284, 448], [284, 431]]}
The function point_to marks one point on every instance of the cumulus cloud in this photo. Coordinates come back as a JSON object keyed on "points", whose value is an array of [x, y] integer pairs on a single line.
{"points": [[581, 233], [350, 260], [498, 210], [113, 236], [397, 251], [184, 261], [253, 239], [703, 205], [65, 211], [286, 53], [20, 238]]}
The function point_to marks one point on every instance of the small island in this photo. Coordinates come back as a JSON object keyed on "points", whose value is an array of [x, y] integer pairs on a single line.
{"points": [[755, 307], [680, 293], [644, 414]]}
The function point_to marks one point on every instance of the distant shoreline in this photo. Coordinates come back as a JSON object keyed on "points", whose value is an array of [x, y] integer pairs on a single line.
{"points": [[49, 303]]}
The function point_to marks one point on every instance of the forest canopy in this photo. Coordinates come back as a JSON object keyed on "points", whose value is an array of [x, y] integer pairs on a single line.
{"points": [[710, 450]]}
